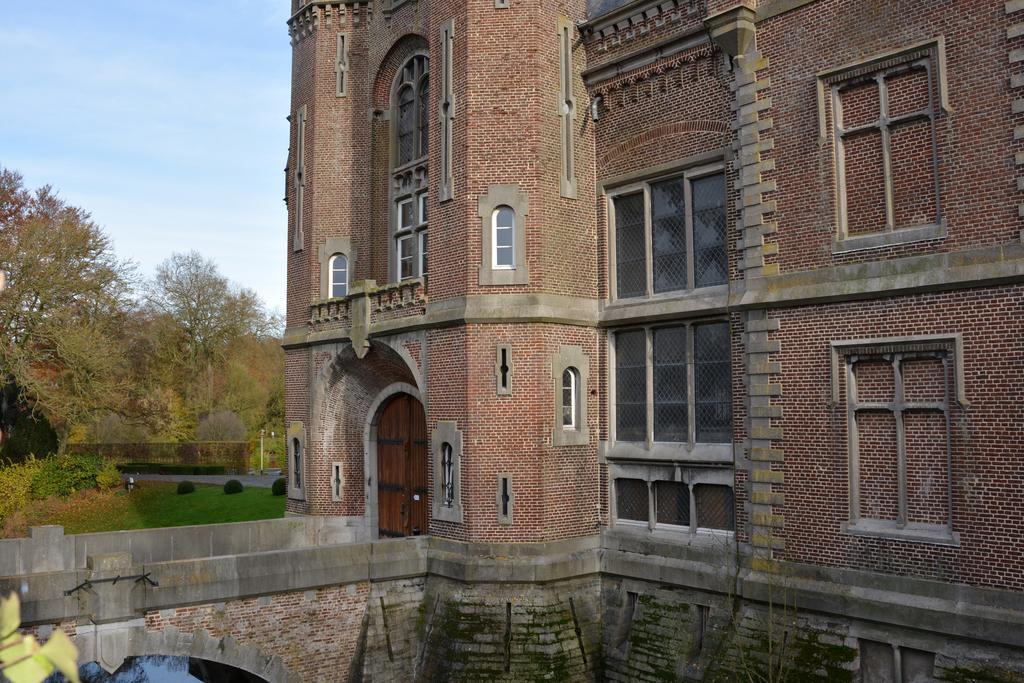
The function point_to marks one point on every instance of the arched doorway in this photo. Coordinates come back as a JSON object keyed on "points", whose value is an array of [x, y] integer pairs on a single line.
{"points": [[402, 468]]}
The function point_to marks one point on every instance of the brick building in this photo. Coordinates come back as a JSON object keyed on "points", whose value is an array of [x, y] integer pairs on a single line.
{"points": [[735, 289]]}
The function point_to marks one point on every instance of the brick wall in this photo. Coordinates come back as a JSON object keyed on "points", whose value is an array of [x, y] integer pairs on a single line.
{"points": [[987, 500], [289, 625]]}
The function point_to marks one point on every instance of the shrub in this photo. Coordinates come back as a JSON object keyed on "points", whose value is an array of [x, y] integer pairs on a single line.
{"points": [[185, 487], [108, 477], [62, 476], [16, 486], [232, 486], [29, 435], [280, 486], [222, 425]]}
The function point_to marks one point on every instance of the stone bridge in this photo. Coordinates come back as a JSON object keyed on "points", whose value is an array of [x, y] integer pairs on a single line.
{"points": [[299, 599]]}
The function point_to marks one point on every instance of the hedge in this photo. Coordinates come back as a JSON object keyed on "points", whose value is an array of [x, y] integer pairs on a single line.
{"points": [[233, 456]]}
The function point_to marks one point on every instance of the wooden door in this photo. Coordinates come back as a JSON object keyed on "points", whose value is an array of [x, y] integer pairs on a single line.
{"points": [[402, 468]]}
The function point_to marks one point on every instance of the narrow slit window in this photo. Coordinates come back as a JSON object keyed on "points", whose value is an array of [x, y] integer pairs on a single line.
{"points": [[503, 369], [339, 275], [448, 475], [336, 481], [446, 109], [300, 178], [341, 66], [503, 225], [566, 109]]}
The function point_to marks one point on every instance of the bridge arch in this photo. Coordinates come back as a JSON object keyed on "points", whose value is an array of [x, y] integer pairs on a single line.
{"points": [[110, 645]]}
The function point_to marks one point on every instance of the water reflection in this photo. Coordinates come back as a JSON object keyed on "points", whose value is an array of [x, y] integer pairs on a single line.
{"points": [[162, 669]]}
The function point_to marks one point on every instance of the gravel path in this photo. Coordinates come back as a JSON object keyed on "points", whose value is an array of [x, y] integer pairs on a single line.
{"points": [[247, 480]]}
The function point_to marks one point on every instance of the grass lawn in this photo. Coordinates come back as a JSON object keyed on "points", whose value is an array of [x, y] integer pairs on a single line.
{"points": [[152, 504]]}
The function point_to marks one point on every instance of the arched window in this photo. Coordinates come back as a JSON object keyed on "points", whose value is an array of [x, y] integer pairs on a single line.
{"points": [[410, 115], [570, 398], [339, 275], [412, 105], [503, 227]]}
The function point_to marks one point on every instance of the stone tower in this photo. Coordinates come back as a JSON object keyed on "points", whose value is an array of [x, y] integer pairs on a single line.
{"points": [[442, 270]]}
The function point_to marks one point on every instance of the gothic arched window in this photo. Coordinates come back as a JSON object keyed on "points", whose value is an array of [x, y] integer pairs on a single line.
{"points": [[410, 114], [411, 108]]}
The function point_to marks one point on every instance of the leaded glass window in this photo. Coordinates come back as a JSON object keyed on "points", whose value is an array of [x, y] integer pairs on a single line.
{"points": [[670, 382], [670, 234], [631, 385], [631, 277], [713, 397], [672, 503], [631, 499], [714, 505], [673, 384]]}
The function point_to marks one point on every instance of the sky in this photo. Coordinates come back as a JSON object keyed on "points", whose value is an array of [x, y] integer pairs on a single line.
{"points": [[163, 119]]}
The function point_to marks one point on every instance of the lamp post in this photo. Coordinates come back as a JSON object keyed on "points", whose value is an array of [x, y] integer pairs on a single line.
{"points": [[262, 432]]}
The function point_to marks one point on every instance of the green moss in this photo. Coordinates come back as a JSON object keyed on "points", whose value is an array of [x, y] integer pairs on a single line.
{"points": [[983, 674]]}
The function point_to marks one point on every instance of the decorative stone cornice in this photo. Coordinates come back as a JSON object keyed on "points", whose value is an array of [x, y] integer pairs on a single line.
{"points": [[614, 79]]}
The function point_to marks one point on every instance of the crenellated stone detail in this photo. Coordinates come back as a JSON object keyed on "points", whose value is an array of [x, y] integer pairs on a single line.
{"points": [[394, 300], [308, 19], [1014, 33]]}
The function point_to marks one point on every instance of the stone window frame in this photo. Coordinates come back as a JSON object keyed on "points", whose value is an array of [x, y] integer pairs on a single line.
{"points": [[446, 111], [297, 434], [565, 358], [513, 197], [895, 652], [641, 183], [503, 380], [299, 178], [566, 32], [447, 432], [332, 247], [932, 55], [692, 450], [684, 473], [341, 66], [948, 347]]}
